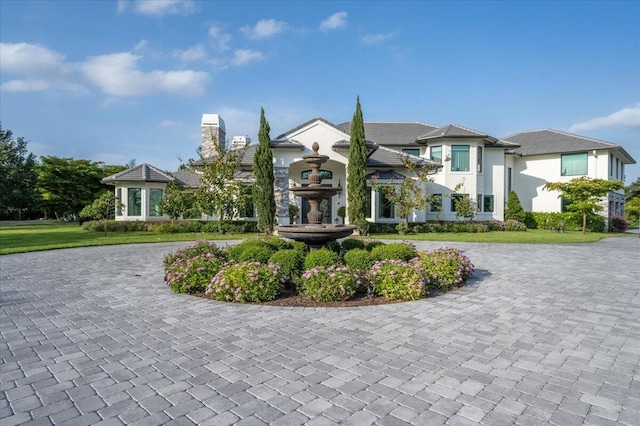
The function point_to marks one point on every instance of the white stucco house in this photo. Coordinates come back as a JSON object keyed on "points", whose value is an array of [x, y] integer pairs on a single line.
{"points": [[468, 163]]}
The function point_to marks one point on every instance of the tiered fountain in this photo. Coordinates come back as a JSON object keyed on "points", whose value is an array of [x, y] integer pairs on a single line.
{"points": [[315, 234]]}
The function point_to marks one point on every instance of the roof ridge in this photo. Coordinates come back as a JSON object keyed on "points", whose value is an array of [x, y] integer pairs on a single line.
{"points": [[468, 129], [582, 137]]}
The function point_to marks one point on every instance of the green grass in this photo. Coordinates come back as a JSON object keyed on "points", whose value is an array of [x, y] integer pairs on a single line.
{"points": [[20, 237], [531, 236], [16, 237]]}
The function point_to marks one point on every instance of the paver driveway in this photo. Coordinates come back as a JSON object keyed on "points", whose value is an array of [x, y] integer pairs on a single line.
{"points": [[544, 334]]}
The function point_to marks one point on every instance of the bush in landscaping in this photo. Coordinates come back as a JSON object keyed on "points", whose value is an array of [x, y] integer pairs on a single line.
{"points": [[382, 228], [192, 274], [322, 257], [300, 246], [370, 245], [334, 246], [246, 282], [396, 251], [352, 243], [328, 284], [276, 243], [257, 253], [514, 225], [514, 208], [199, 248], [237, 252], [445, 268], [398, 280], [618, 224], [358, 260], [115, 226], [291, 263]]}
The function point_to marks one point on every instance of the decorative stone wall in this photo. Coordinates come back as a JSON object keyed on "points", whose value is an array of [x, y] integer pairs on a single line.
{"points": [[208, 150], [281, 188]]}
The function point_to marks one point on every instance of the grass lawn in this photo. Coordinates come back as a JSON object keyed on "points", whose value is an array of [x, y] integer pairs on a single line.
{"points": [[20, 237]]}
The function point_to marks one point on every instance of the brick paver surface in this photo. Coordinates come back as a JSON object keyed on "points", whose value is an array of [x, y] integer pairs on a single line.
{"points": [[542, 335]]}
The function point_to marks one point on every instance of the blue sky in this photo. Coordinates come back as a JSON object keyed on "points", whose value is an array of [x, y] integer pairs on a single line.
{"points": [[119, 80]]}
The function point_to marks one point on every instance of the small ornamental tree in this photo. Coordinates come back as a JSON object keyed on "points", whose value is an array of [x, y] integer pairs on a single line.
{"points": [[514, 208], [357, 170], [176, 201], [465, 207], [102, 209], [584, 194], [219, 191], [263, 188]]}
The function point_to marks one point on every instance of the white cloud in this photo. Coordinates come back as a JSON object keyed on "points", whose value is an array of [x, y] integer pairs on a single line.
{"points": [[377, 38], [220, 39], [24, 86], [171, 123], [626, 117], [142, 46], [195, 53], [157, 8], [244, 56], [335, 21], [117, 75], [264, 28]]}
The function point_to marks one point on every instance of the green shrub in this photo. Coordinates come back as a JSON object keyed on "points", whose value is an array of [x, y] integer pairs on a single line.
{"points": [[618, 224], [464, 227], [291, 263], [246, 282], [395, 251], [199, 248], [352, 243], [258, 253], [334, 246], [115, 226], [358, 260], [382, 228], [445, 268], [192, 275], [322, 257], [236, 252], [276, 243], [514, 208], [328, 284], [370, 245], [300, 246], [530, 221], [398, 280], [514, 225]]}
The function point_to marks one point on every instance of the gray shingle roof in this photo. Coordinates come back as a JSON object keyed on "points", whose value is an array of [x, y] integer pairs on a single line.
{"points": [[385, 157], [140, 173], [284, 135], [189, 178], [453, 131], [386, 175], [391, 133], [549, 141]]}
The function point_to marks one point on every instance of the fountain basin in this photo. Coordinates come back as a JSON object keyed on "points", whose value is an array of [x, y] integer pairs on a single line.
{"points": [[315, 235]]}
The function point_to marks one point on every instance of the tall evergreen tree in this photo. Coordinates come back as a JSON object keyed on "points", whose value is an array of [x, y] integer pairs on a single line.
{"points": [[357, 169], [263, 188], [514, 208]]}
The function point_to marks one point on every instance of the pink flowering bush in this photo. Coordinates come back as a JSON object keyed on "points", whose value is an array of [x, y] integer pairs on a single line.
{"points": [[196, 249], [398, 279], [446, 268], [192, 274], [328, 284], [246, 282]]}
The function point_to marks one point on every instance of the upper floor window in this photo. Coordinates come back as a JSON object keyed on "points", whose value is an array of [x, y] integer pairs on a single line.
{"points": [[412, 151], [436, 154], [479, 160], [574, 164], [460, 158]]}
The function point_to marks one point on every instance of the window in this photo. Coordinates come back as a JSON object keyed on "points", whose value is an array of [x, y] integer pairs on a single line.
{"points": [[610, 164], [617, 169], [574, 164], [460, 158], [367, 203], [564, 204], [436, 154], [479, 203], [118, 201], [479, 161], [455, 199], [488, 203], [436, 203], [326, 174], [155, 196], [621, 170], [134, 202], [247, 209], [387, 208], [509, 173], [411, 151]]}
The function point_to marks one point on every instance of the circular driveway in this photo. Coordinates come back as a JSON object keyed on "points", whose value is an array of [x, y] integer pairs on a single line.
{"points": [[542, 334]]}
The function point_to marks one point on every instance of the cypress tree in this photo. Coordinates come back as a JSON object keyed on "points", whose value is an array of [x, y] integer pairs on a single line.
{"points": [[357, 169], [263, 188]]}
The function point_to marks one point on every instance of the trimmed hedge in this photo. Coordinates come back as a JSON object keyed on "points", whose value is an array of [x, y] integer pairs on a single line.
{"points": [[181, 226]]}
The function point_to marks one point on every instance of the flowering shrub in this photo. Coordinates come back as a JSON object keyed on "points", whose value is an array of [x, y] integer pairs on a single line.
{"points": [[618, 224], [196, 249], [246, 282], [328, 284], [322, 257], [398, 279], [291, 263], [369, 246], [514, 225], [259, 253], [237, 252], [191, 275], [358, 260], [445, 268], [401, 251]]}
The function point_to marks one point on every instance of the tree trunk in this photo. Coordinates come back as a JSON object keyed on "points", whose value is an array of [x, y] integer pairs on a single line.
{"points": [[584, 223]]}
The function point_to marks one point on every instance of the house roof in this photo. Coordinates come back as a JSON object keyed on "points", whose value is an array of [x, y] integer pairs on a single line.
{"points": [[549, 141], [453, 131], [391, 133], [385, 157], [386, 175], [140, 173], [306, 123], [189, 178]]}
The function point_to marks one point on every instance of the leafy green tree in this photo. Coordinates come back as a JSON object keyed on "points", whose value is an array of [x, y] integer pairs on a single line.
{"points": [[514, 208], [176, 201], [18, 177], [584, 194], [357, 170], [103, 208], [219, 191], [263, 188], [465, 207], [632, 204]]}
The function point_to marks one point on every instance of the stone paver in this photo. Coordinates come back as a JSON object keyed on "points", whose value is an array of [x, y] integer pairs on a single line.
{"points": [[542, 335]]}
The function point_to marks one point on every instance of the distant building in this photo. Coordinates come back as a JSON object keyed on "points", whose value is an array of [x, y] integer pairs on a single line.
{"points": [[213, 131], [240, 142]]}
